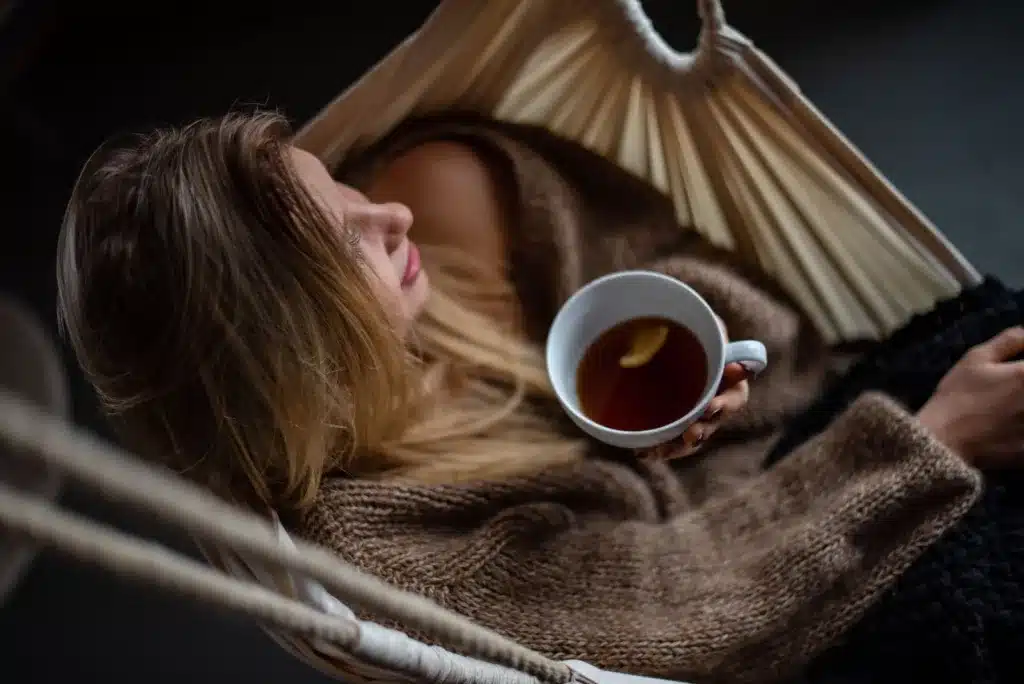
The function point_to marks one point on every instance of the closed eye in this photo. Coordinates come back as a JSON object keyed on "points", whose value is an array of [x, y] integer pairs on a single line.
{"points": [[354, 237], [352, 233]]}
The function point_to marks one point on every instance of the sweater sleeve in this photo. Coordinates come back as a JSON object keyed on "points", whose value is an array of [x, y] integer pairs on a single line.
{"points": [[742, 589]]}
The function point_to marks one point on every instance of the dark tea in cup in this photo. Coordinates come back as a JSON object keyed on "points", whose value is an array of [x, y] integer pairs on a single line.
{"points": [[641, 374], [638, 399]]}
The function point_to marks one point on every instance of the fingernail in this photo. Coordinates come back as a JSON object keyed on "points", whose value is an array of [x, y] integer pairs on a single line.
{"points": [[698, 440], [752, 371], [713, 413]]}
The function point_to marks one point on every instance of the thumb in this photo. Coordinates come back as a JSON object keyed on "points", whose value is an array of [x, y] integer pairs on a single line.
{"points": [[1003, 347]]}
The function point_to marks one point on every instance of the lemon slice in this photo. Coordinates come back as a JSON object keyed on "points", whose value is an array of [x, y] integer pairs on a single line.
{"points": [[646, 343]]}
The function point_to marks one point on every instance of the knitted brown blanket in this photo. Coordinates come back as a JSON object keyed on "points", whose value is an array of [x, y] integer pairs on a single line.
{"points": [[711, 570]]}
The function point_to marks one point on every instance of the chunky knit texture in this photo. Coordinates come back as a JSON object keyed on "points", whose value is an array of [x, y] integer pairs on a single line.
{"points": [[709, 569], [957, 614]]}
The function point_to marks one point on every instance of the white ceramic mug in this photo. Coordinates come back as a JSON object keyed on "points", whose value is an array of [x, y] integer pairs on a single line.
{"points": [[619, 297]]}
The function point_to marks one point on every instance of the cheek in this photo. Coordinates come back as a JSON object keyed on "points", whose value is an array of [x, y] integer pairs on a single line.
{"points": [[402, 306], [385, 282], [385, 272], [376, 260]]}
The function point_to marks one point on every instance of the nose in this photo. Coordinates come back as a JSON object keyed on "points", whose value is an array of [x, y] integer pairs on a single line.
{"points": [[391, 219], [401, 216]]}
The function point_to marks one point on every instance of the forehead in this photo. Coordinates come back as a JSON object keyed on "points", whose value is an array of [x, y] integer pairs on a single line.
{"points": [[313, 173]]}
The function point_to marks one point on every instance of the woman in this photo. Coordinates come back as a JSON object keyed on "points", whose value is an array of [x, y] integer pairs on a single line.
{"points": [[270, 332]]}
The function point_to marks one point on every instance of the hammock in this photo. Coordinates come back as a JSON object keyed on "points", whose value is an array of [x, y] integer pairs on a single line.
{"points": [[746, 160]]}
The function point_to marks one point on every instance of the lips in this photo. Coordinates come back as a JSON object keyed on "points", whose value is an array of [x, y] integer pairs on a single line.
{"points": [[412, 265]]}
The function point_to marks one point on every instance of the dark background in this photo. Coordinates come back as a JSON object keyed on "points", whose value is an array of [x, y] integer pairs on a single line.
{"points": [[931, 90]]}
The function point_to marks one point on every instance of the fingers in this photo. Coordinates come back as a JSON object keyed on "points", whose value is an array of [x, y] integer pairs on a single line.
{"points": [[733, 375], [724, 404], [1003, 347], [687, 445], [695, 437], [732, 396]]}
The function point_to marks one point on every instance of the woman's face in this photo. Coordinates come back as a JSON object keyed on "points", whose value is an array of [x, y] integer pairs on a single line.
{"points": [[383, 236]]}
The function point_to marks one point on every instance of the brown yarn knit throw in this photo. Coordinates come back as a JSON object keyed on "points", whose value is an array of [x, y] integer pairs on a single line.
{"points": [[712, 571]]}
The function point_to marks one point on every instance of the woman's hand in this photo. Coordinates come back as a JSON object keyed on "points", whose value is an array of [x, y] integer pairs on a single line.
{"points": [[733, 393], [978, 408]]}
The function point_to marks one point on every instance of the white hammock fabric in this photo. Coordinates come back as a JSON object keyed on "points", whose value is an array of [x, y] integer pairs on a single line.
{"points": [[745, 158], [385, 655]]}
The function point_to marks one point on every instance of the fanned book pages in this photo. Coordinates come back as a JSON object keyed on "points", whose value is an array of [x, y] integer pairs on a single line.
{"points": [[746, 159]]}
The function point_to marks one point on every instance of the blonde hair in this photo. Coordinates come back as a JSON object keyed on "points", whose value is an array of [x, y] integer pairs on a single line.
{"points": [[230, 331]]}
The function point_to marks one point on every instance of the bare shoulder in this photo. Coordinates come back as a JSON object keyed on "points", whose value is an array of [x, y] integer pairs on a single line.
{"points": [[455, 197]]}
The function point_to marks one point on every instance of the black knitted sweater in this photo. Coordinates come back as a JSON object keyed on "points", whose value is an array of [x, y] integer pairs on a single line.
{"points": [[957, 615]]}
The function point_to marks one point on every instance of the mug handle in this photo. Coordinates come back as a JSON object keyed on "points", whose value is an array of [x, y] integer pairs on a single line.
{"points": [[750, 354]]}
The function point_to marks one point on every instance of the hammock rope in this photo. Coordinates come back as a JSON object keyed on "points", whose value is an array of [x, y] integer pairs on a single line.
{"points": [[712, 15], [128, 557], [122, 478]]}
